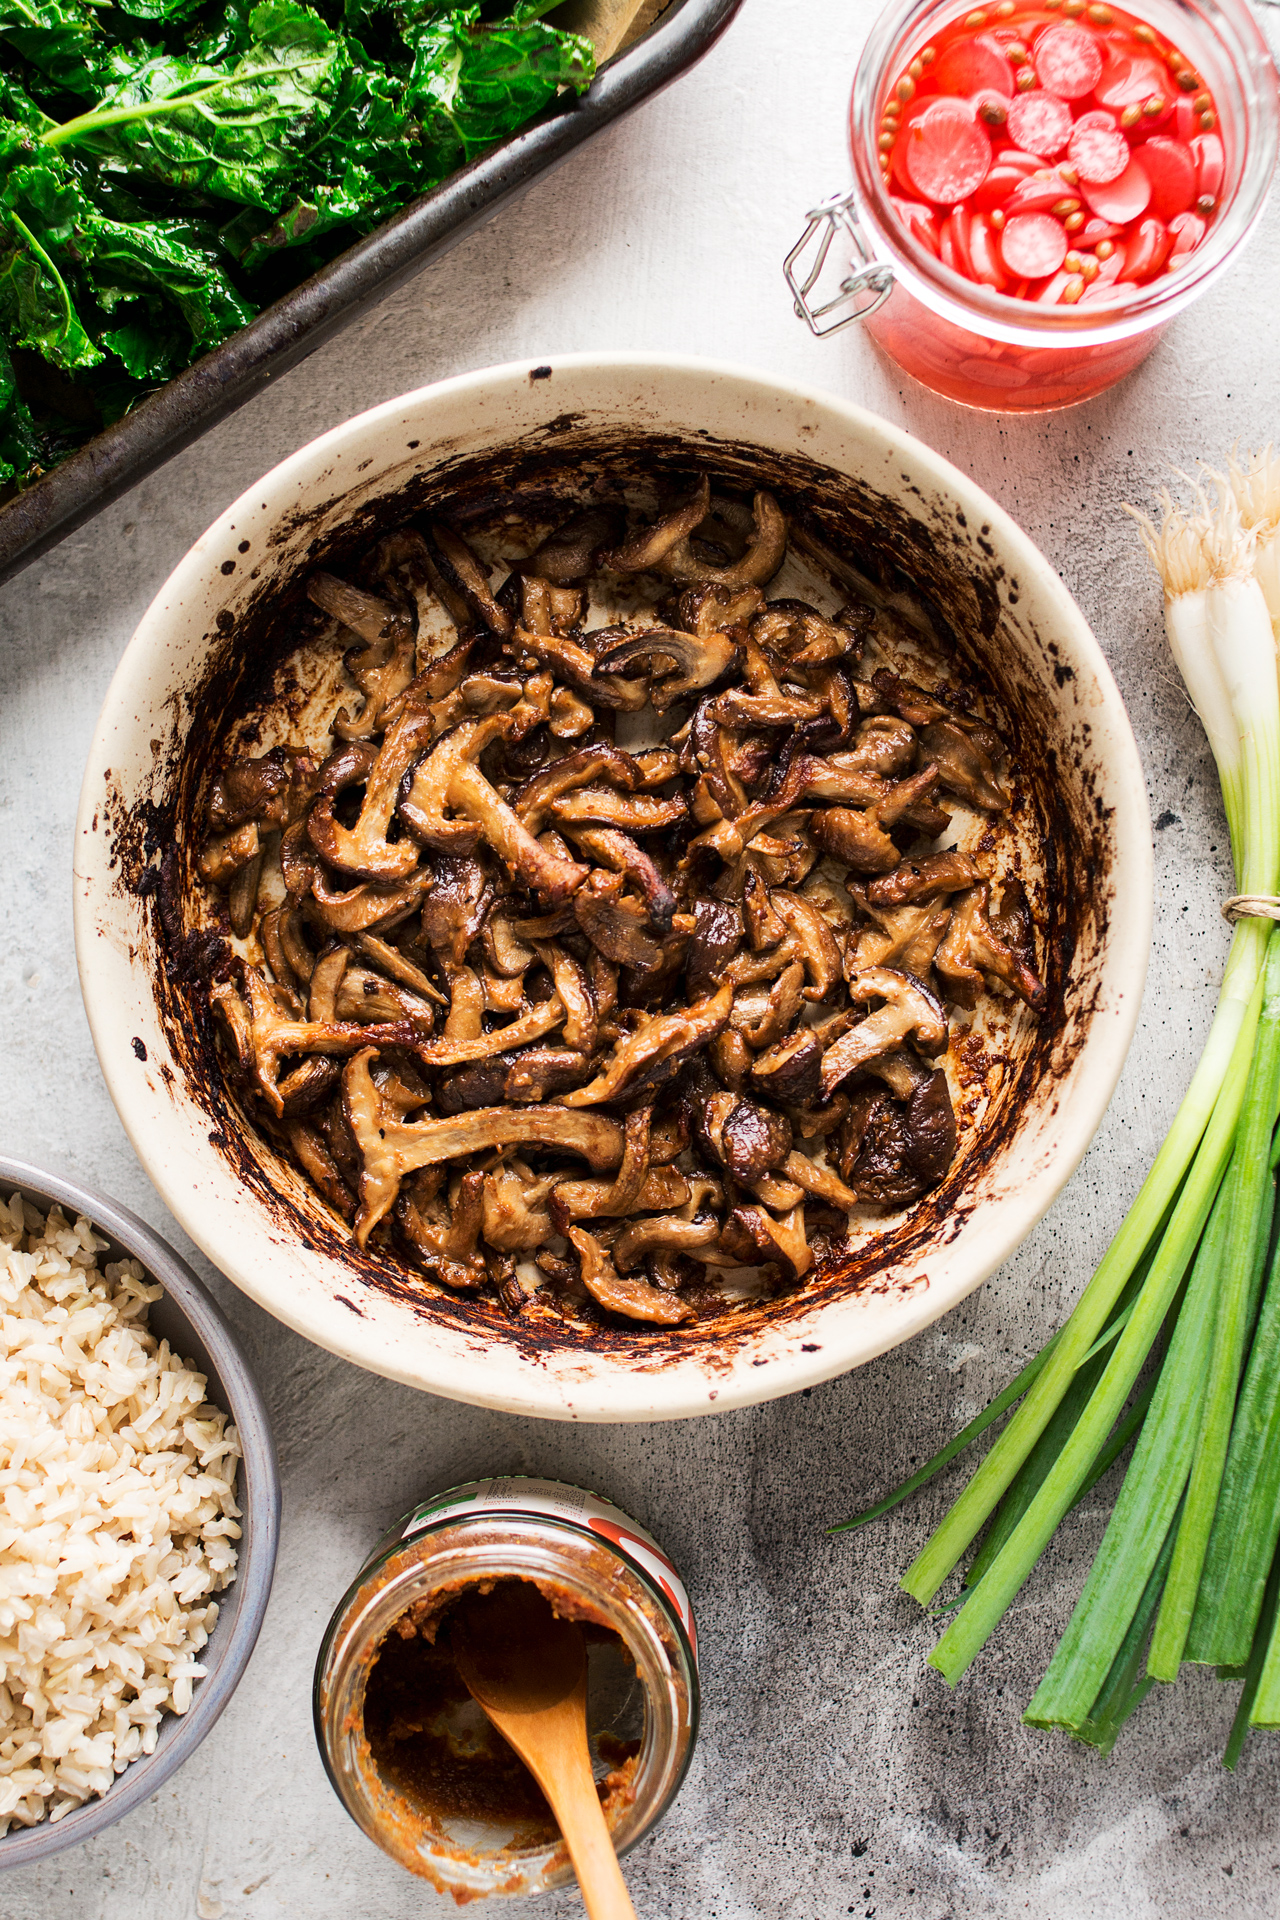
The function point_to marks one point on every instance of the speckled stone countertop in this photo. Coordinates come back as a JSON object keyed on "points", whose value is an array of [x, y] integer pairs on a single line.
{"points": [[835, 1774]]}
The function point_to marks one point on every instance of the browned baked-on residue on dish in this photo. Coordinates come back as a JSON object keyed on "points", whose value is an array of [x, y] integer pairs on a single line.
{"points": [[731, 889]]}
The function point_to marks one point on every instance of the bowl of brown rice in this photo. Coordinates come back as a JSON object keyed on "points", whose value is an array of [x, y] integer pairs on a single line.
{"points": [[139, 1513]]}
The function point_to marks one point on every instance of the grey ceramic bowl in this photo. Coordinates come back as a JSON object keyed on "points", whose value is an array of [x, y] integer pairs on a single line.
{"points": [[191, 1321]]}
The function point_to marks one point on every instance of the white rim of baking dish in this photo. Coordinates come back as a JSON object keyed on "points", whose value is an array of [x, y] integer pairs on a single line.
{"points": [[305, 1289]]}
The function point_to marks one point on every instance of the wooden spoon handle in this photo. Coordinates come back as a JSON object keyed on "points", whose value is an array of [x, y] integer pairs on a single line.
{"points": [[571, 1789]]}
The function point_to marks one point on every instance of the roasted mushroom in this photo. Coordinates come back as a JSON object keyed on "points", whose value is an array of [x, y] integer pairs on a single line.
{"points": [[600, 932]]}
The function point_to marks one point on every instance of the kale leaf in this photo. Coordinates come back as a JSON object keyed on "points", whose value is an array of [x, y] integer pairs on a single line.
{"points": [[61, 39], [471, 83], [228, 134], [19, 443], [222, 151]]}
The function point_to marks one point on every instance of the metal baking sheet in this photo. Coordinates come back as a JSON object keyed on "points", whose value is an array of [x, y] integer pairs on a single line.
{"points": [[285, 333]]}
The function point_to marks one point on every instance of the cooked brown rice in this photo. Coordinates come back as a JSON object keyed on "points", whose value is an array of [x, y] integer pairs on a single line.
{"points": [[117, 1517]]}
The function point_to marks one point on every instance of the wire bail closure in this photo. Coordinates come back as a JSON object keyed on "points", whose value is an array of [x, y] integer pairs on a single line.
{"points": [[836, 216], [1251, 906]]}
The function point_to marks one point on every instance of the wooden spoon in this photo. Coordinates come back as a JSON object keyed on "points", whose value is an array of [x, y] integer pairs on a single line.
{"points": [[528, 1670]]}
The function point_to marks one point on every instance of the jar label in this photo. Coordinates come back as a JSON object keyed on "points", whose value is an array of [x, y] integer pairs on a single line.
{"points": [[572, 1504]]}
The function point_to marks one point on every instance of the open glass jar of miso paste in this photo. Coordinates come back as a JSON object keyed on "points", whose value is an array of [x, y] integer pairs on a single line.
{"points": [[1040, 186], [411, 1755]]}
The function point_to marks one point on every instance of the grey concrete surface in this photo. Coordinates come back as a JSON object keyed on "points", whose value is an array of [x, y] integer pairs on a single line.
{"points": [[836, 1774]]}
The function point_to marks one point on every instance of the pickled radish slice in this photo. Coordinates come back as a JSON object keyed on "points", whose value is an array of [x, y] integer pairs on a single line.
{"points": [[1037, 196], [1029, 162], [984, 256], [1170, 167], [1187, 231], [999, 184], [898, 161], [957, 223], [1206, 150], [947, 152], [1148, 249], [969, 66], [1186, 120], [1040, 122], [1120, 200], [1094, 230], [1033, 244], [1097, 149], [1068, 62], [920, 222], [1129, 79], [1053, 290]]}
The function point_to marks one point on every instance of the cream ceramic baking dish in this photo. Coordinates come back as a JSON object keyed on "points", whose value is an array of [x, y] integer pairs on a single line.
{"points": [[916, 533]]}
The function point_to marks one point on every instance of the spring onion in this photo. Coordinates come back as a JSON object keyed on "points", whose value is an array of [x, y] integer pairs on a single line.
{"points": [[1174, 1347]]}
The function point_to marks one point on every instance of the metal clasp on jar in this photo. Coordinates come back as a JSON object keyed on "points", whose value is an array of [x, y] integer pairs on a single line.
{"points": [[835, 216]]}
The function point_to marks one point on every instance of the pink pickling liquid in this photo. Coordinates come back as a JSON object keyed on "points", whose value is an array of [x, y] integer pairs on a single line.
{"points": [[1064, 155]]}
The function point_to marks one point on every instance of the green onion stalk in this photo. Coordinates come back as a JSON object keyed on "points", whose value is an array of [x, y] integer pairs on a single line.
{"points": [[1188, 1568]]}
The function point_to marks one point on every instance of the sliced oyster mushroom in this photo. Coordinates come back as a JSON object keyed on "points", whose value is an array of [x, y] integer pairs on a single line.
{"points": [[391, 1149], [819, 1181], [926, 879], [535, 1072], [909, 1011], [594, 1199], [614, 923], [316, 1161], [398, 967], [765, 551], [630, 812], [223, 858], [546, 608], [373, 619], [576, 547], [449, 777], [661, 1040], [905, 937], [357, 909], [608, 847], [971, 948], [646, 548], [445, 1239], [513, 1208], [856, 838], [695, 661], [455, 908], [265, 1036], [664, 1233], [625, 1294], [963, 766], [469, 576], [574, 663], [623, 1195], [365, 849]]}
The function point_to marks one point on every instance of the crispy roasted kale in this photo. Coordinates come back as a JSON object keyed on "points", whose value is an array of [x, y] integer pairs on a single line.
{"points": [[169, 167]]}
